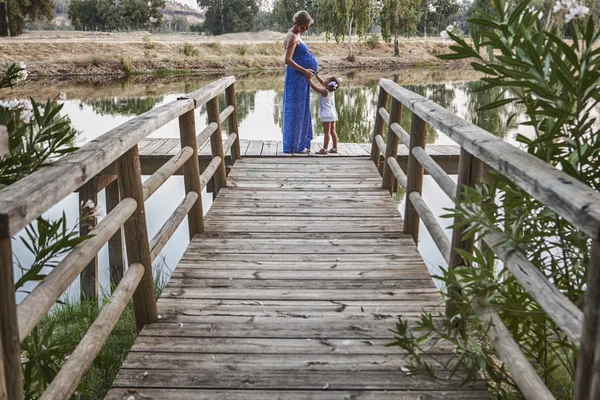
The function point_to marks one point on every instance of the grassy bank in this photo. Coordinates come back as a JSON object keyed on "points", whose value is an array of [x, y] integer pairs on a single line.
{"points": [[122, 54]]}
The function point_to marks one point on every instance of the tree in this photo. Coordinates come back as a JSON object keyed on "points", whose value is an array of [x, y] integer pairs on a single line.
{"points": [[341, 17], [226, 16], [13, 14], [399, 16], [284, 10], [91, 15]]}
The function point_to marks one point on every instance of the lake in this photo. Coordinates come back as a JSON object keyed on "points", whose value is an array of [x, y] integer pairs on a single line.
{"points": [[98, 104]]}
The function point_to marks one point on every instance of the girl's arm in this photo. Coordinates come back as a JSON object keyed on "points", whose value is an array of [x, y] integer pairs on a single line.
{"points": [[289, 53], [320, 80], [321, 90]]}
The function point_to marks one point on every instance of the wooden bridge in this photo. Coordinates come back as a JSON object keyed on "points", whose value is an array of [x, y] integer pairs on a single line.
{"points": [[295, 276]]}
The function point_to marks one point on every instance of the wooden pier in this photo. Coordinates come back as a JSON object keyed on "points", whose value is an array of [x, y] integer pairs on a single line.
{"points": [[290, 293], [295, 277]]}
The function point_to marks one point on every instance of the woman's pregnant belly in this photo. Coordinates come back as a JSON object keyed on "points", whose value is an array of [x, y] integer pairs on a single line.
{"points": [[308, 61]]}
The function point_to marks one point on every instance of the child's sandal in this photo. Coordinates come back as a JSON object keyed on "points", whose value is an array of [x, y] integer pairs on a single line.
{"points": [[322, 151], [333, 151]]}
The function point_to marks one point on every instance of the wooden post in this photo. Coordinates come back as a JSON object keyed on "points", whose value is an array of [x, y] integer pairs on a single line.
{"points": [[116, 247], [232, 122], [470, 172], [9, 334], [414, 175], [3, 141], [191, 171], [391, 149], [379, 124], [587, 376], [216, 143], [89, 276], [136, 237]]}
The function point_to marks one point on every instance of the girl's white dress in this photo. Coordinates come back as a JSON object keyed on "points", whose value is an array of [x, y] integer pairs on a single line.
{"points": [[327, 111]]}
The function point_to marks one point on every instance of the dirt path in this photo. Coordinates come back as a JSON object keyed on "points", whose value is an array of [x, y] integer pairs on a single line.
{"points": [[55, 53]]}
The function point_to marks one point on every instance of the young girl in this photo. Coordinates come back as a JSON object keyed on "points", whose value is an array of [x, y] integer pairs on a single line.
{"points": [[327, 111]]}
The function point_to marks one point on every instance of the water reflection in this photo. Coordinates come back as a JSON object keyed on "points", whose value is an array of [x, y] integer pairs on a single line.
{"points": [[135, 106]]}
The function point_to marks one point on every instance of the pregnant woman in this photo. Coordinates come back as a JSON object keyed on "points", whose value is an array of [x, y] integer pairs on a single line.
{"points": [[301, 65]]}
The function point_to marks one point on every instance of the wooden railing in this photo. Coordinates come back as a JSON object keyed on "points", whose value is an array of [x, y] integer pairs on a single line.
{"points": [[571, 199], [26, 200]]}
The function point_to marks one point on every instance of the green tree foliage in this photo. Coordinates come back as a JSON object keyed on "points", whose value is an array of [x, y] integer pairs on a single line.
{"points": [[109, 15], [528, 66], [340, 17], [398, 17], [17, 12], [438, 14], [226, 16], [284, 10]]}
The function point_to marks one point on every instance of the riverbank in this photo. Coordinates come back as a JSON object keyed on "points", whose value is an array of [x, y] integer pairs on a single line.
{"points": [[83, 53]]}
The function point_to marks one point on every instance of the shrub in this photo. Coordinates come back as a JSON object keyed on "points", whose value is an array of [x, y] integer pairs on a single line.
{"points": [[373, 41], [242, 49], [189, 50], [126, 66], [148, 44]]}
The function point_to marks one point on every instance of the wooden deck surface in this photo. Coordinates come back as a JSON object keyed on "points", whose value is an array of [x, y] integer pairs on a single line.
{"points": [[290, 294], [155, 147]]}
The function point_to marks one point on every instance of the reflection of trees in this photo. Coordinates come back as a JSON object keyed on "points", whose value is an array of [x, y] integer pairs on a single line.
{"points": [[245, 102], [135, 106]]}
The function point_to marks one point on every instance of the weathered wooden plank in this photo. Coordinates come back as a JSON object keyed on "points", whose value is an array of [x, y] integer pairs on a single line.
{"points": [[240, 394], [269, 148], [254, 148], [3, 141], [312, 380], [337, 273]]}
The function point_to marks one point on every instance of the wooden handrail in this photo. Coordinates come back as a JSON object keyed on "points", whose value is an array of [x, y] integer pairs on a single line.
{"points": [[80, 361], [30, 197], [397, 171], [229, 142], [3, 141], [156, 180], [380, 144], [542, 182], [161, 238], [43, 297], [571, 199], [226, 113], [27, 199]]}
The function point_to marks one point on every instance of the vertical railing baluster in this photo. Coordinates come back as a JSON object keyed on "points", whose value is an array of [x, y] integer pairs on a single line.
{"points": [[232, 122], [136, 236], [191, 172], [116, 247], [9, 334], [216, 143], [414, 175], [470, 172], [587, 374], [379, 125], [391, 149], [89, 276]]}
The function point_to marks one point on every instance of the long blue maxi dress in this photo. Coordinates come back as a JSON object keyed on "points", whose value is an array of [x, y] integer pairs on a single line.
{"points": [[297, 123]]}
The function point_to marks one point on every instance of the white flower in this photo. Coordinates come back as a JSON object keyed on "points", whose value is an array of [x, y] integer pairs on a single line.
{"points": [[153, 20], [62, 96], [98, 212], [90, 204], [575, 10], [450, 28], [22, 75], [26, 116], [444, 35]]}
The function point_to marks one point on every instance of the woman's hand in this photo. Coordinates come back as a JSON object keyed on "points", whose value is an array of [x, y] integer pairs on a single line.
{"points": [[308, 73]]}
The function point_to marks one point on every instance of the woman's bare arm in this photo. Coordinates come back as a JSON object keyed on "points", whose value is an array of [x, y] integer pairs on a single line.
{"points": [[290, 43]]}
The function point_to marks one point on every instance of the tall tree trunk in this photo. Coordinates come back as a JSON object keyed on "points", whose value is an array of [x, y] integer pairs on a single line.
{"points": [[350, 56], [4, 30], [396, 46]]}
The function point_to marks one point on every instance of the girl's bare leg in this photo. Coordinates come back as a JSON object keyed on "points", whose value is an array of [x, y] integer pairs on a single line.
{"points": [[334, 137], [326, 133]]}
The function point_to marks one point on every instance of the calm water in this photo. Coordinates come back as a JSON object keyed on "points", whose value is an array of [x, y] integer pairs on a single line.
{"points": [[95, 106]]}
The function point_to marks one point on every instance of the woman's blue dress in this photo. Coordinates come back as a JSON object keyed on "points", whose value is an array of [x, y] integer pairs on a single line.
{"points": [[297, 123]]}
